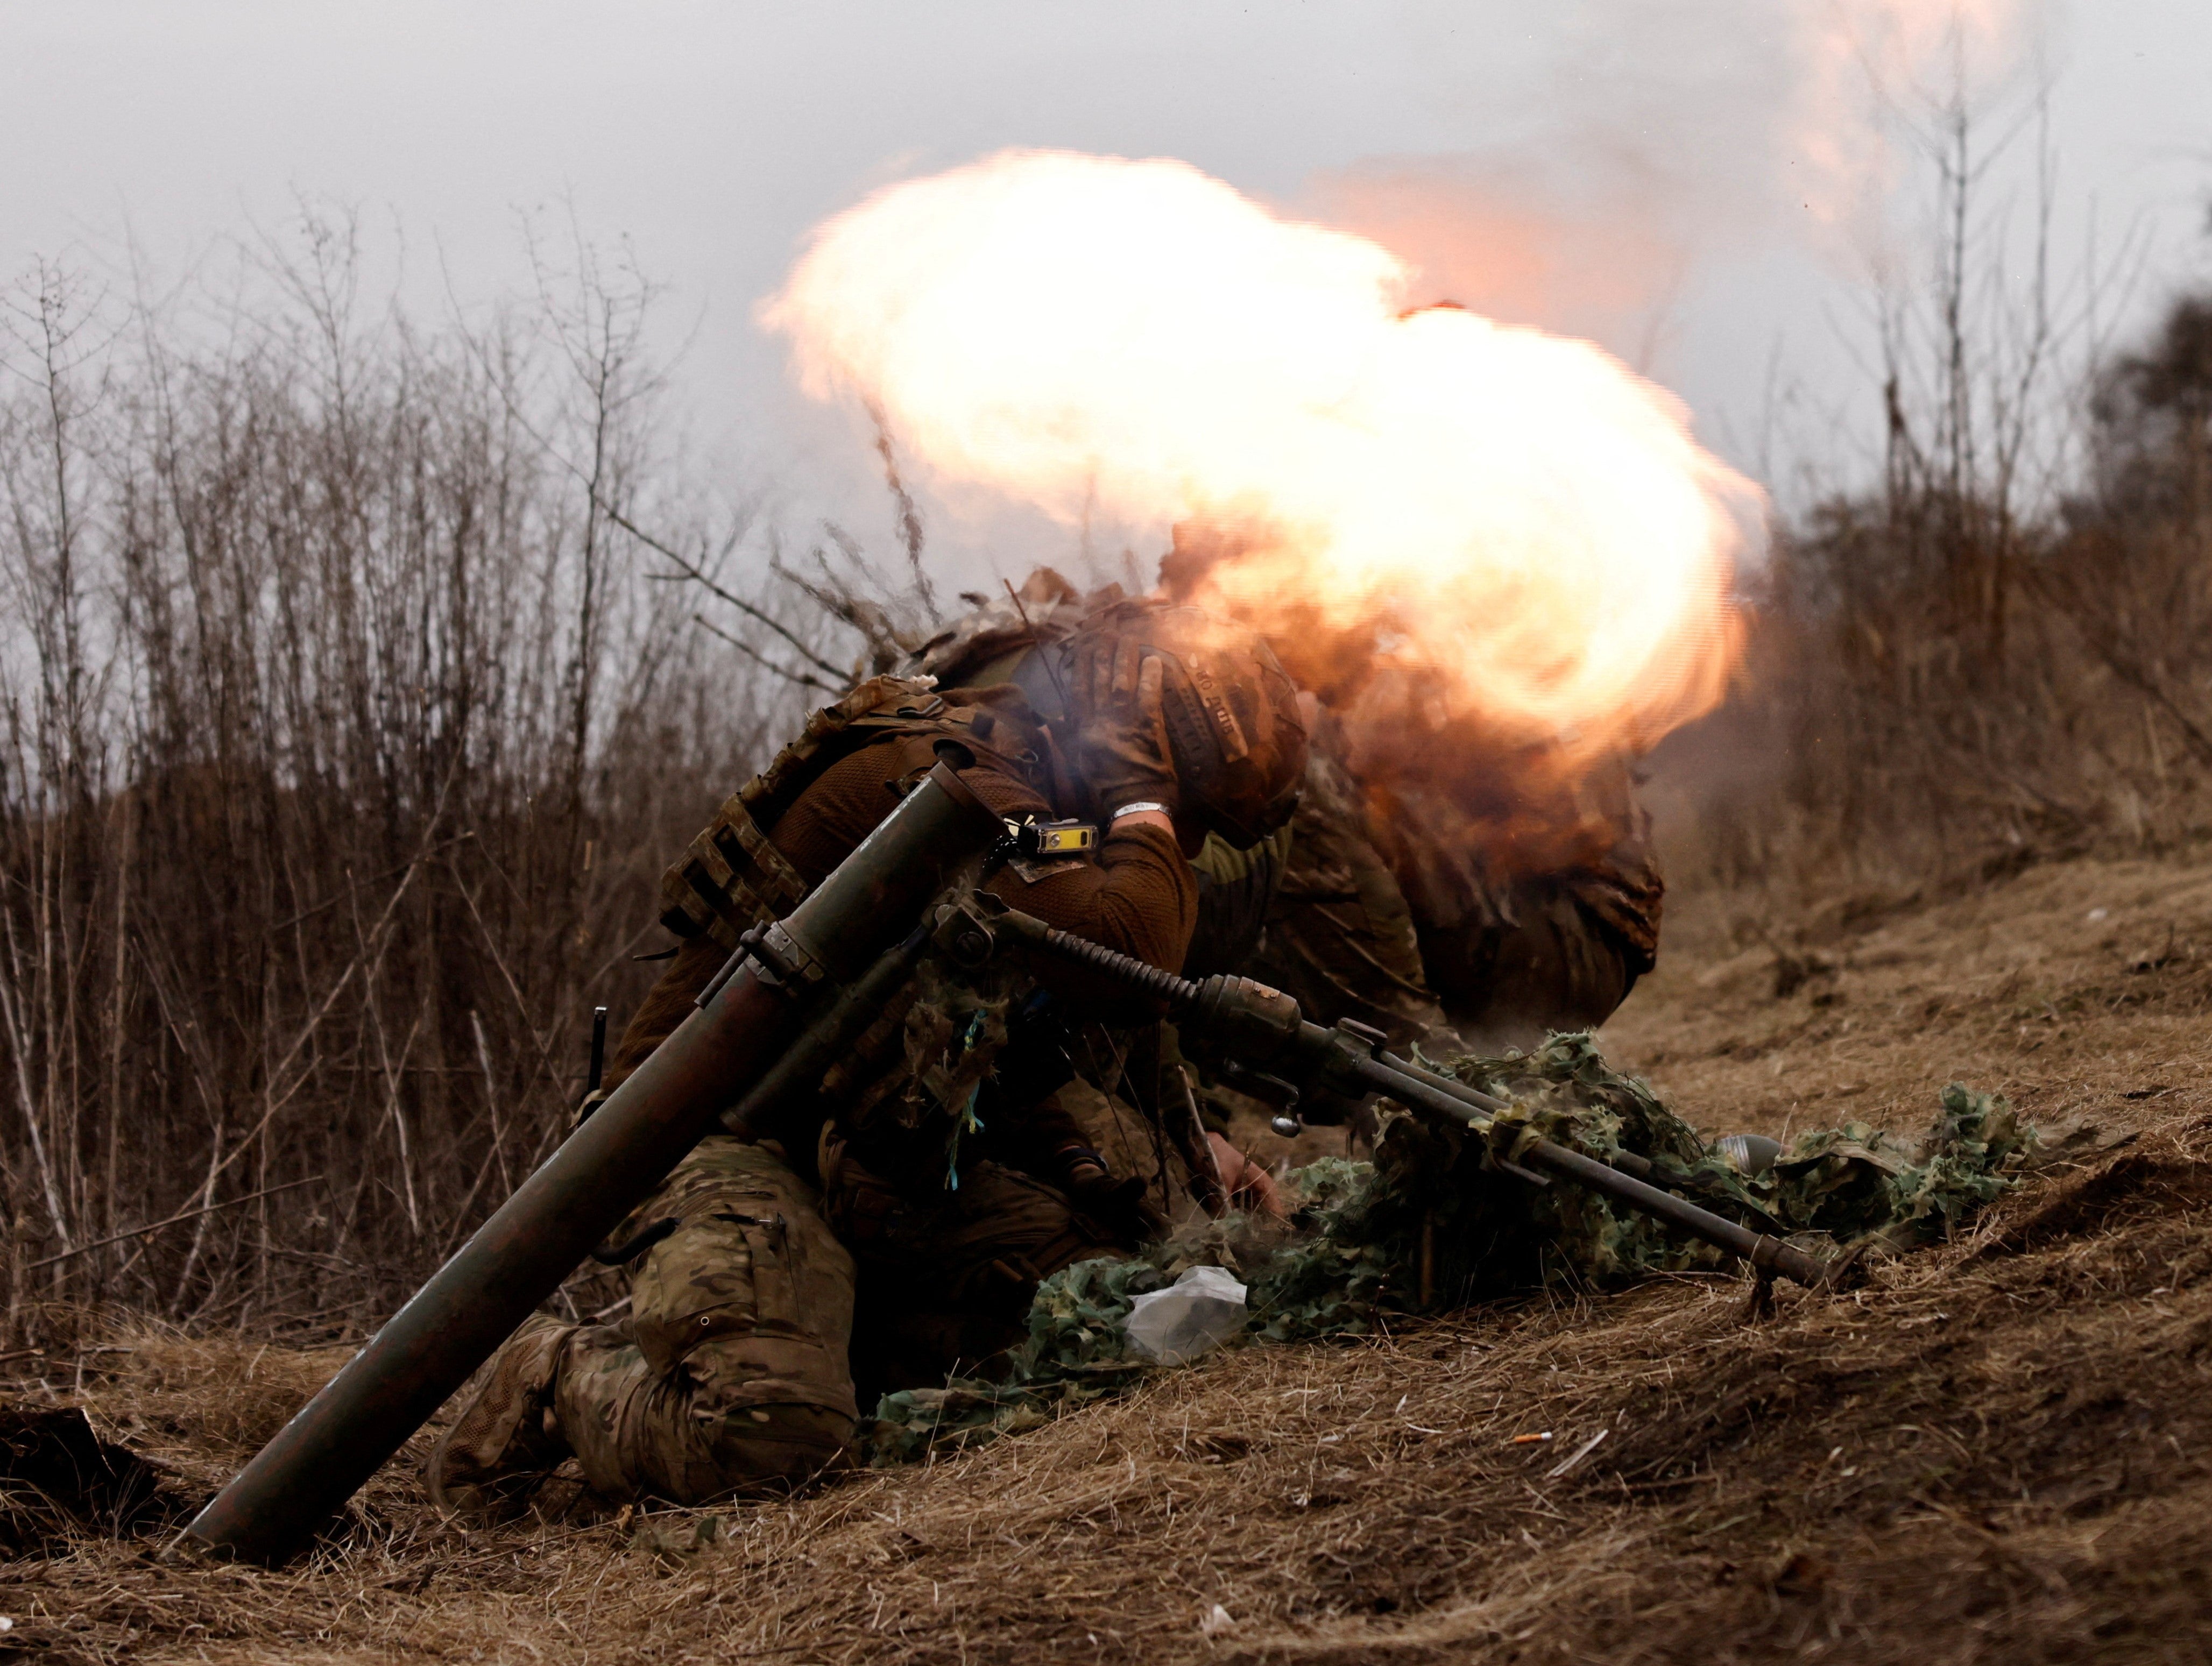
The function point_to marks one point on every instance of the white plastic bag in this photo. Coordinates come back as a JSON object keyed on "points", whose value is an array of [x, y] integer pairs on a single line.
{"points": [[1199, 1312]]}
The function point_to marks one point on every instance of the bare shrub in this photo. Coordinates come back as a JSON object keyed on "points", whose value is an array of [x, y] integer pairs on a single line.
{"points": [[339, 752], [1924, 729], [1998, 652]]}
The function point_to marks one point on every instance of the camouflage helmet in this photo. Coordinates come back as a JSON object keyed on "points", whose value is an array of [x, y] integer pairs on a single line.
{"points": [[1232, 712]]}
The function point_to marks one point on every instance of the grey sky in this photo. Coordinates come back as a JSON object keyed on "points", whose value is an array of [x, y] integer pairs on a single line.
{"points": [[714, 135]]}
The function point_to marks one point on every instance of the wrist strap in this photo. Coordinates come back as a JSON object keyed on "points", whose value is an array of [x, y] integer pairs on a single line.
{"points": [[1139, 807]]}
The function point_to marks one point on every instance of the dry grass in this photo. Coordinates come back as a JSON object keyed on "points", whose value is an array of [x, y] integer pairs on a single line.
{"points": [[1994, 1452], [2069, 986]]}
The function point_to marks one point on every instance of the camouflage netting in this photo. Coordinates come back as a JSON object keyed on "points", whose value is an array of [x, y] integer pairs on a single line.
{"points": [[1353, 1250]]}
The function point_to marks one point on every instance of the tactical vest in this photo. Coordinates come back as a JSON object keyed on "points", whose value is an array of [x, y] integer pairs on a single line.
{"points": [[906, 1086], [732, 877]]}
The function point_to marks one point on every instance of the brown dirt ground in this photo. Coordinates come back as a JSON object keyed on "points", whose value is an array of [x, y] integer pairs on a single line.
{"points": [[1995, 1451]]}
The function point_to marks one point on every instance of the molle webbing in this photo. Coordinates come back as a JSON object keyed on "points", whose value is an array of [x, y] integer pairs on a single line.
{"points": [[732, 877], [729, 878]]}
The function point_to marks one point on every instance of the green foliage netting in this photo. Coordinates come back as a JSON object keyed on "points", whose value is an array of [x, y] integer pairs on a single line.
{"points": [[1351, 1250]]}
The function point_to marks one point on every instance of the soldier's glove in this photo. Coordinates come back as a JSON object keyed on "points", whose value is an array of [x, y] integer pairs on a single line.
{"points": [[1249, 1186], [1118, 1206], [1121, 746]]}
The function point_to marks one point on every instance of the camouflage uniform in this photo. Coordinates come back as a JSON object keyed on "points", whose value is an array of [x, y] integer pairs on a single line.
{"points": [[1416, 935], [1337, 935], [733, 1361], [1533, 916]]}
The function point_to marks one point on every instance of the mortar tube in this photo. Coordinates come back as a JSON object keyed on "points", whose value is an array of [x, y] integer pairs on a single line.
{"points": [[608, 1165], [760, 1114]]}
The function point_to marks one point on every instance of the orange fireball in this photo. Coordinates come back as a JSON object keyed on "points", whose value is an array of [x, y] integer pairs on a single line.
{"points": [[1515, 521]]}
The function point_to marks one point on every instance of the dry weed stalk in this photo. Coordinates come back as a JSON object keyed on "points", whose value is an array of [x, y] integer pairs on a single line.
{"points": [[2000, 652], [339, 752]]}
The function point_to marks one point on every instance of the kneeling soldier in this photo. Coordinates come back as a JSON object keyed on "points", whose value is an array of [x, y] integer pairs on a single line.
{"points": [[897, 1225]]}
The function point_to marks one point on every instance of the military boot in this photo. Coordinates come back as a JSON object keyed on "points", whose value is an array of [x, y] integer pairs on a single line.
{"points": [[506, 1437]]}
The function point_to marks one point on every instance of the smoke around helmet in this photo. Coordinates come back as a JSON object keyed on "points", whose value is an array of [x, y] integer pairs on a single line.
{"points": [[1517, 515]]}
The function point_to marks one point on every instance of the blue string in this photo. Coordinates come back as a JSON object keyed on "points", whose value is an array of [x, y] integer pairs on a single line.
{"points": [[967, 1122]]}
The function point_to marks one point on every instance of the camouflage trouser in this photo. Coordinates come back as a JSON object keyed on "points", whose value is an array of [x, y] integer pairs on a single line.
{"points": [[945, 1277], [1559, 966], [1437, 943], [730, 1371], [735, 1367]]}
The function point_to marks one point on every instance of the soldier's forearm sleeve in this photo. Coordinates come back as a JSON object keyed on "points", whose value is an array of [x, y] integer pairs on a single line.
{"points": [[1139, 896]]}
